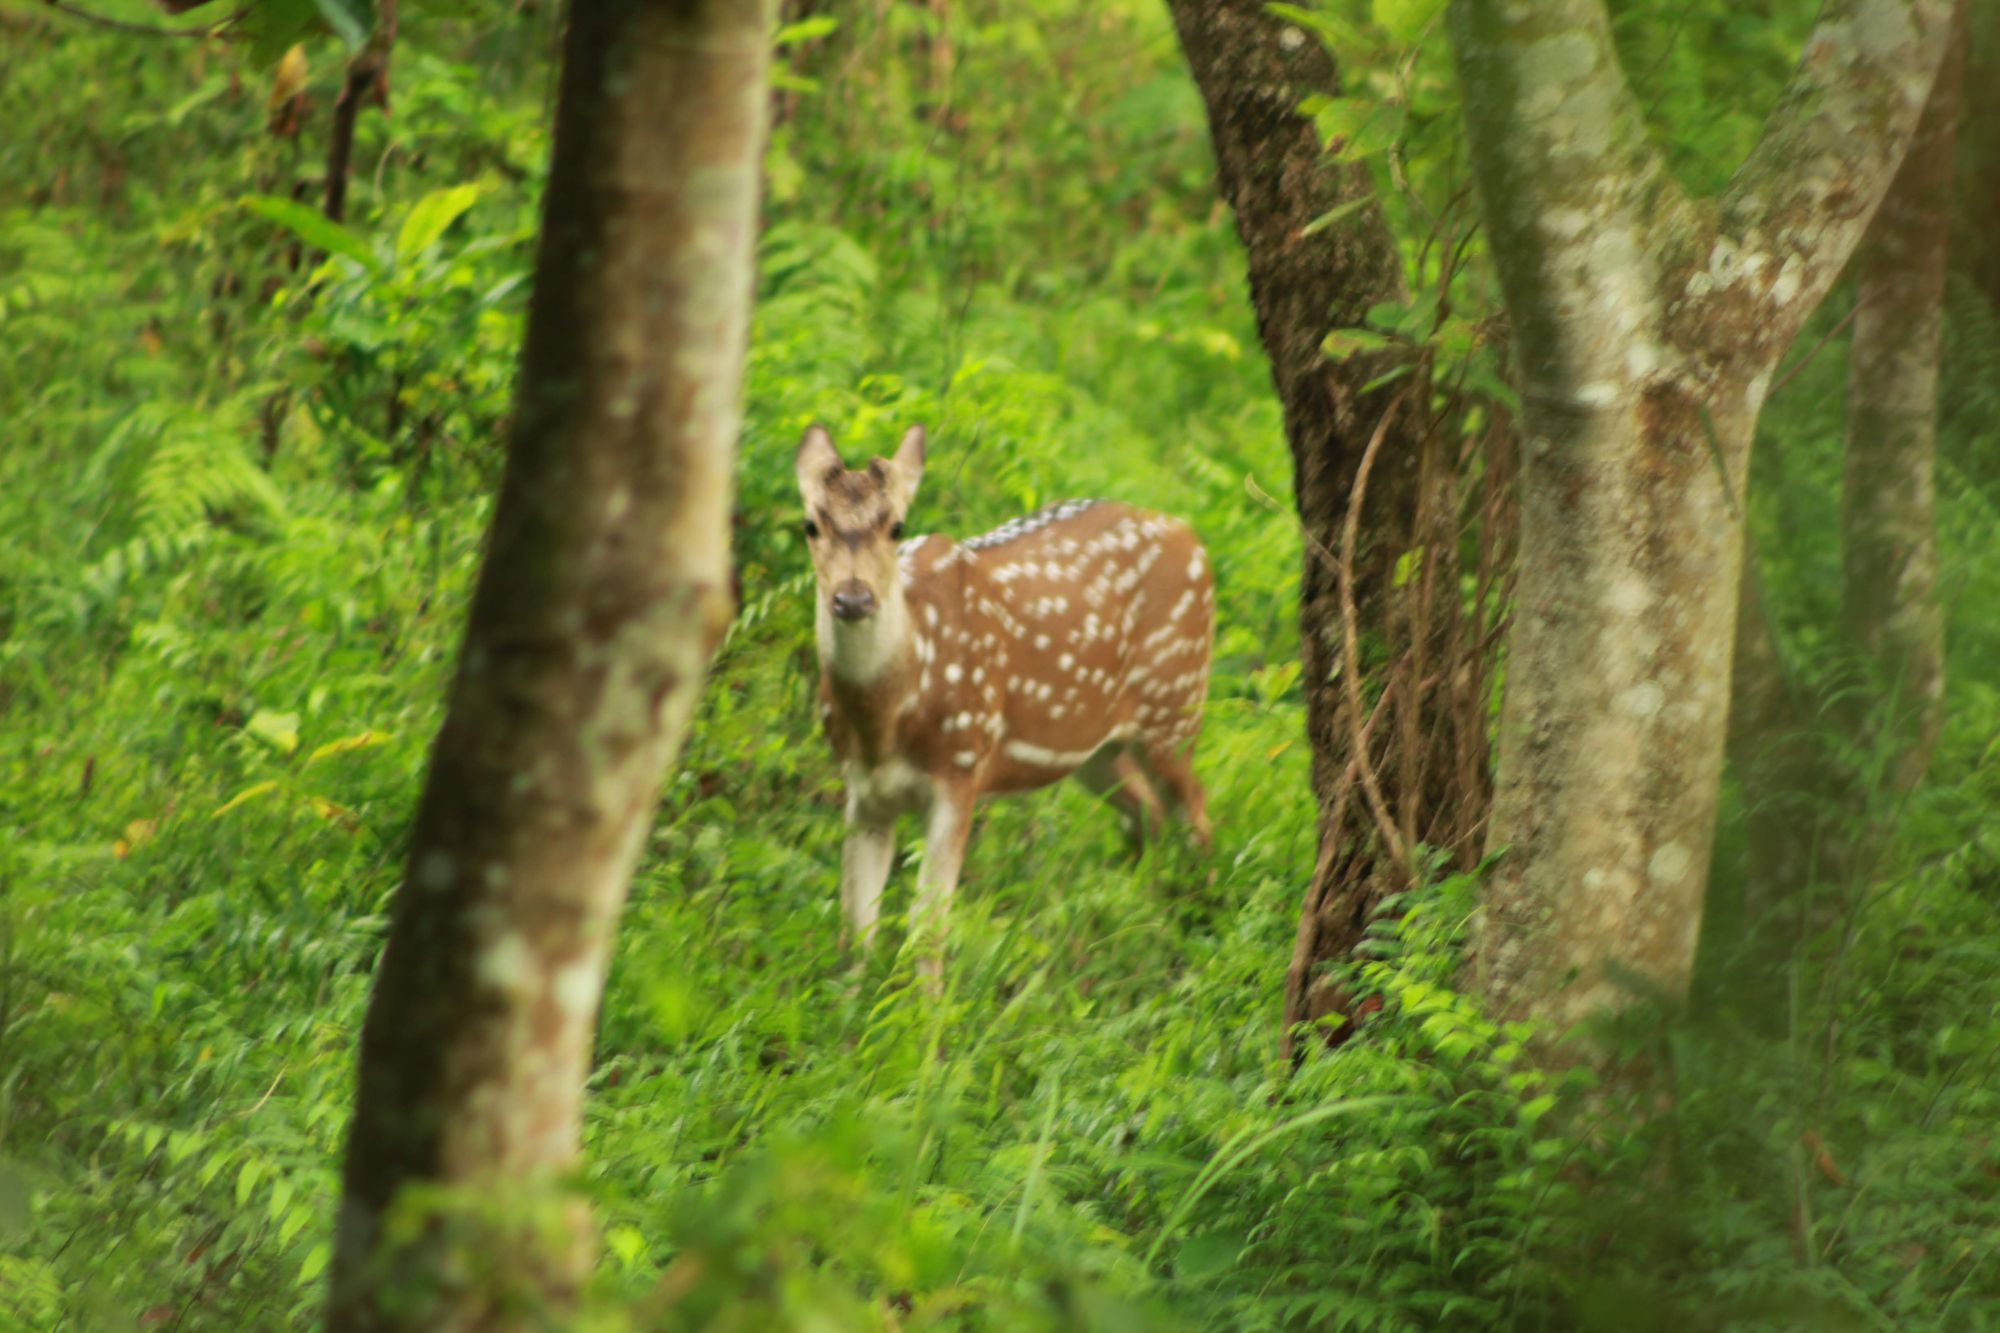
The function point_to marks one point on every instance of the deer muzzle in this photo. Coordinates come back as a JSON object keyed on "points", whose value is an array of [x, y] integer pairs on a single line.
{"points": [[853, 601]]}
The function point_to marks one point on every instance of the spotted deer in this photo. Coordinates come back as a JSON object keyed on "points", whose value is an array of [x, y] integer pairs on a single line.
{"points": [[1072, 641]]}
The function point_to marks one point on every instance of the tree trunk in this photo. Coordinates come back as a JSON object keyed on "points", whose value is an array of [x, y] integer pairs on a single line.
{"points": [[603, 592], [1253, 69], [1778, 748], [1980, 184], [1889, 496], [1808, 809], [1646, 326]]}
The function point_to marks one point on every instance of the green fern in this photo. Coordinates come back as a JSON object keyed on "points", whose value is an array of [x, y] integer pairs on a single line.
{"points": [[188, 478]]}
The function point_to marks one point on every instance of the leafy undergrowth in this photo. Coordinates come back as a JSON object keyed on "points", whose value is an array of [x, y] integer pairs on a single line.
{"points": [[241, 505]]}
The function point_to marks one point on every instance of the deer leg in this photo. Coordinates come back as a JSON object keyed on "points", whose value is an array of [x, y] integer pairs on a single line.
{"points": [[944, 853], [1172, 767], [1117, 777], [864, 869]]}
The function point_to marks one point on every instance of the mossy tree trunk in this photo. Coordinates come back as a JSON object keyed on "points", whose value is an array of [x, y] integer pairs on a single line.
{"points": [[1646, 325], [1253, 70], [1810, 804], [604, 589], [1889, 564]]}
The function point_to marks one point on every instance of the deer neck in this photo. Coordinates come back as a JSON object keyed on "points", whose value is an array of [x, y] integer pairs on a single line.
{"points": [[860, 655], [868, 679]]}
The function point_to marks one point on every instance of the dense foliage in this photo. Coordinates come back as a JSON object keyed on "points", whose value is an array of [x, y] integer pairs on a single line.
{"points": [[247, 460]]}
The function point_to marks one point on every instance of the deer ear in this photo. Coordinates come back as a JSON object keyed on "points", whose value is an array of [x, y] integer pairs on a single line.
{"points": [[816, 459], [908, 466]]}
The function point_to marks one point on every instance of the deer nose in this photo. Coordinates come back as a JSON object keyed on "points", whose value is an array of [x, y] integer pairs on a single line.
{"points": [[853, 601]]}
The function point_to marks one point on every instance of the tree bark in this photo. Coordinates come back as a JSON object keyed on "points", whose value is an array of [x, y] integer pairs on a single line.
{"points": [[1811, 807], [1889, 561], [1253, 69], [603, 592], [367, 81], [1780, 755], [1980, 183], [1646, 325], [1809, 812]]}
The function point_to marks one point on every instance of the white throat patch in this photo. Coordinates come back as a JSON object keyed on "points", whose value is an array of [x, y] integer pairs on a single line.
{"points": [[856, 652]]}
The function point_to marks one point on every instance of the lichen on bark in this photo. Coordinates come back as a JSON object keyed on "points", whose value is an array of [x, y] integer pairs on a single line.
{"points": [[604, 590], [1646, 327], [1307, 279], [1809, 825]]}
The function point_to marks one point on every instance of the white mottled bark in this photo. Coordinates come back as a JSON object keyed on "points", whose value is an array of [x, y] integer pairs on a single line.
{"points": [[603, 592], [1646, 325]]}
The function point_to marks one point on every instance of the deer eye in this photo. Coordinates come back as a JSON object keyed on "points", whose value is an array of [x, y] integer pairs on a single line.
{"points": [[812, 529], [895, 532]]}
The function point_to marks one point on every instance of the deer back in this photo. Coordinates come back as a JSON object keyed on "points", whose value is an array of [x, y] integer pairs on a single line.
{"points": [[1033, 645]]}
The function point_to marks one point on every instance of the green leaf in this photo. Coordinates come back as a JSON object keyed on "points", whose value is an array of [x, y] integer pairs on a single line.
{"points": [[313, 227], [1343, 343], [429, 216], [1407, 565], [280, 731], [246, 1180], [314, 1263], [295, 1222], [1455, 337], [784, 81], [347, 744], [805, 30], [244, 797], [1336, 215], [1357, 127], [1387, 377], [1206, 1255], [627, 1242], [347, 25], [1333, 32], [1405, 20], [274, 25]]}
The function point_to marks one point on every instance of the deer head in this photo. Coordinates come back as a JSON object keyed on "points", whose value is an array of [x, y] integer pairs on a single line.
{"points": [[853, 521]]}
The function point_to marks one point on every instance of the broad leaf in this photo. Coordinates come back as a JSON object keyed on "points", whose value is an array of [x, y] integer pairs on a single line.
{"points": [[1405, 20], [313, 227], [805, 30], [430, 216], [347, 24]]}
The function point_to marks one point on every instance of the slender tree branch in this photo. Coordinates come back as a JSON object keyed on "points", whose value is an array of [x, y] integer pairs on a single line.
{"points": [[215, 29], [1385, 822], [1818, 347], [367, 77], [1823, 163]]}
